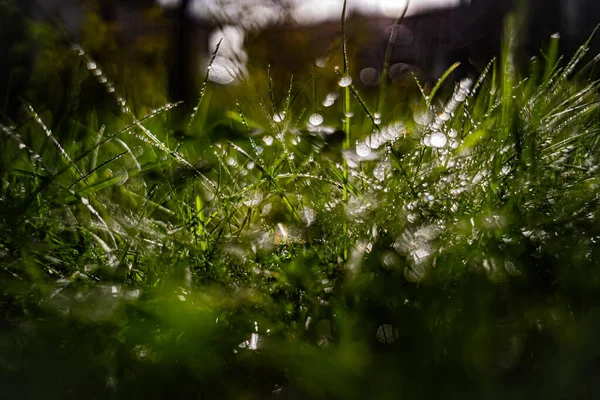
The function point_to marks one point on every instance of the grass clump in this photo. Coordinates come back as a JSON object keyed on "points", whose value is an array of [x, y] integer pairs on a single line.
{"points": [[290, 248]]}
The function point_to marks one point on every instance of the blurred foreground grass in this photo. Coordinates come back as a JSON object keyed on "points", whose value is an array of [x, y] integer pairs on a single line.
{"points": [[293, 239]]}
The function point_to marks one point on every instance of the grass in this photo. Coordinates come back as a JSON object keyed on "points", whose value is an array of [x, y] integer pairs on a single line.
{"points": [[445, 246]]}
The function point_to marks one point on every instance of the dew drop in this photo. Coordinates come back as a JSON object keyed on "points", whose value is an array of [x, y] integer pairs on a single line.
{"points": [[77, 49], [91, 65], [427, 140], [268, 140], [254, 199], [308, 215], [321, 62], [459, 97], [316, 119], [379, 172], [231, 161], [223, 70], [345, 81], [423, 117], [438, 139], [122, 176], [362, 149], [466, 83], [330, 99]]}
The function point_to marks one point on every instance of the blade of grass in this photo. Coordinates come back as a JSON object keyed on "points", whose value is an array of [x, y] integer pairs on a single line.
{"points": [[440, 82], [386, 62], [203, 88]]}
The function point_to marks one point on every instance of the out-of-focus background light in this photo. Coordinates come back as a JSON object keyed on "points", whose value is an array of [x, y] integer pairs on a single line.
{"points": [[256, 14], [260, 12]]}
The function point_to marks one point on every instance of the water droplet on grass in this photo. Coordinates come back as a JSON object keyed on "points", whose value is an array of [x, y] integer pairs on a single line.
{"points": [[438, 140], [231, 161], [78, 50], [422, 117], [330, 99], [321, 62], [268, 140], [91, 65], [316, 119], [466, 84], [345, 81], [254, 341], [362, 149], [254, 199], [379, 172], [427, 140], [308, 215], [223, 71], [122, 176], [459, 97]]}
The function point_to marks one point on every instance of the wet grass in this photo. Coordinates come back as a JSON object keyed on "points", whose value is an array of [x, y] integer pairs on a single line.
{"points": [[289, 245]]}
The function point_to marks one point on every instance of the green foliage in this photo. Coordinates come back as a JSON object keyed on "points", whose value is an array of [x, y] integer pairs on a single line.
{"points": [[445, 249]]}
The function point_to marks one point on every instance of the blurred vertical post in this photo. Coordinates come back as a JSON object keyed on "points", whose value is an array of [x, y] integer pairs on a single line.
{"points": [[109, 10], [181, 82]]}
